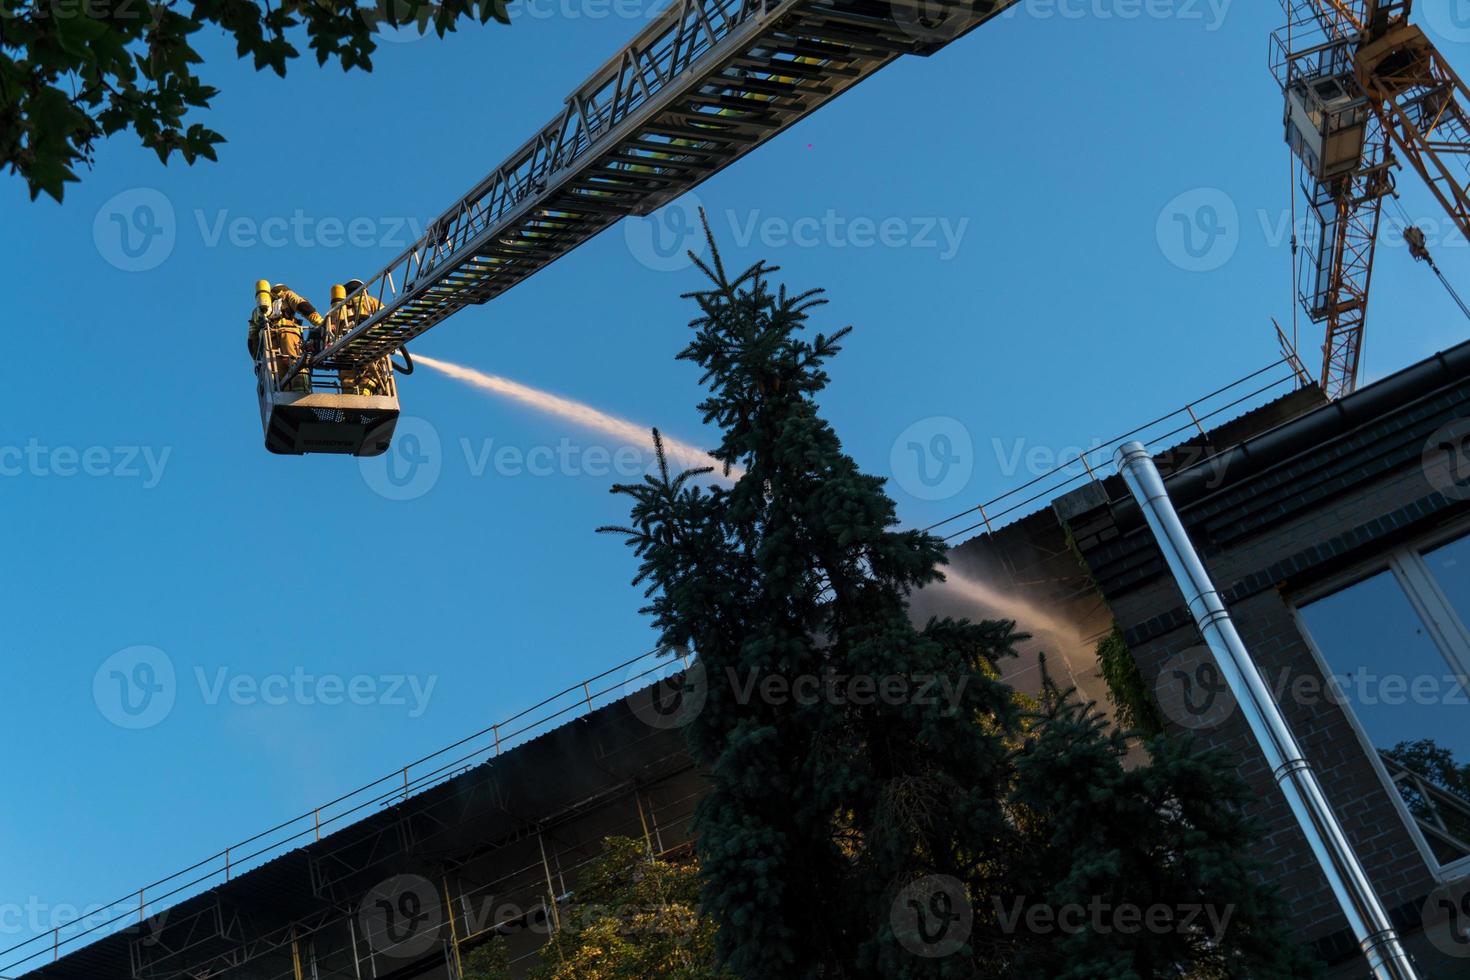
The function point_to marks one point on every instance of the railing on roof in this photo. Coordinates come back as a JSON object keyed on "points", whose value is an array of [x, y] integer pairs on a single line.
{"points": [[394, 787], [1096, 463]]}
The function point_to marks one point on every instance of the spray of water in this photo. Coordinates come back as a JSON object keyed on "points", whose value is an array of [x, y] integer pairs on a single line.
{"points": [[991, 602], [680, 453], [994, 601], [998, 604]]}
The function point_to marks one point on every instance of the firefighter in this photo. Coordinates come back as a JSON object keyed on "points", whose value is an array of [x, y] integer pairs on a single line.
{"points": [[277, 311], [367, 379]]}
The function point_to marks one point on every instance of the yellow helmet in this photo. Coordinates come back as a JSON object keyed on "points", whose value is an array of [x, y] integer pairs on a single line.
{"points": [[339, 293]]}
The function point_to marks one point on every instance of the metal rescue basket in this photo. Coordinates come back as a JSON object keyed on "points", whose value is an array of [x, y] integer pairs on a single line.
{"points": [[321, 419]]}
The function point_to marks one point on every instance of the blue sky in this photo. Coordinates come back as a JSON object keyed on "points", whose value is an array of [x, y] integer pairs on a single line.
{"points": [[1034, 287]]}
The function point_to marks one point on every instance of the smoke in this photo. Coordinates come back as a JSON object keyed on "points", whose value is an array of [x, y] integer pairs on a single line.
{"points": [[681, 453]]}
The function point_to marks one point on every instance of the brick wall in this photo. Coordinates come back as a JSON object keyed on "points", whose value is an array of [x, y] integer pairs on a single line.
{"points": [[1270, 524]]}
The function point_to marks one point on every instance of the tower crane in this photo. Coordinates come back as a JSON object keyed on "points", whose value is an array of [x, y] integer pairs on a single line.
{"points": [[703, 84], [1365, 89]]}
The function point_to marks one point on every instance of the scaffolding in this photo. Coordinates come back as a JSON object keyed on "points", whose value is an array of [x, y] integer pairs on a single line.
{"points": [[179, 920]]}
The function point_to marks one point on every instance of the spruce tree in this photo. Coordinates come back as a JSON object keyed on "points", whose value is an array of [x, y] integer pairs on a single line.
{"points": [[828, 817], [821, 809], [1137, 871]]}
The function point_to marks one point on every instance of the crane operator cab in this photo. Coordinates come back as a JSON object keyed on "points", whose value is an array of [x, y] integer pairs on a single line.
{"points": [[1327, 116], [318, 407]]}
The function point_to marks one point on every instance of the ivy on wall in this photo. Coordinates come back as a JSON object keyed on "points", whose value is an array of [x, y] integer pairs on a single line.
{"points": [[1134, 707]]}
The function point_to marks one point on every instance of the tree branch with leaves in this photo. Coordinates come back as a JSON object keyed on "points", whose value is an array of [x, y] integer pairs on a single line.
{"points": [[75, 71]]}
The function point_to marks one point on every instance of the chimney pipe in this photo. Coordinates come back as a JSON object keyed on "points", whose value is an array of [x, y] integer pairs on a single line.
{"points": [[1345, 875]]}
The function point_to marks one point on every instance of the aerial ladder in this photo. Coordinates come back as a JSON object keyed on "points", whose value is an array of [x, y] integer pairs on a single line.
{"points": [[1365, 90], [702, 85], [710, 80]]}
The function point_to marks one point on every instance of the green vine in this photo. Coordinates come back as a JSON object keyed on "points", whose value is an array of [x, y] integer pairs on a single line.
{"points": [[1134, 707]]}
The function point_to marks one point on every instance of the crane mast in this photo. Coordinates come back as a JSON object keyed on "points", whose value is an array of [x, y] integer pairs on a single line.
{"points": [[1364, 89], [1345, 171]]}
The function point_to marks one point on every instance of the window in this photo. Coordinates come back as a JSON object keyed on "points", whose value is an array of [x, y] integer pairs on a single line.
{"points": [[1396, 646]]}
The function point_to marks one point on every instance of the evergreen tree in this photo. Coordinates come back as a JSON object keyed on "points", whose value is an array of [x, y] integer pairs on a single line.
{"points": [[1138, 871], [828, 817], [819, 812]]}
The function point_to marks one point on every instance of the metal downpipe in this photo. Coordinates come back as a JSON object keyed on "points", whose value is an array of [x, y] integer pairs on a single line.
{"points": [[1293, 773]]}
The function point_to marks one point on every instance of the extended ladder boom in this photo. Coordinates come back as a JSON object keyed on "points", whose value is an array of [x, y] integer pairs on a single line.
{"points": [[701, 86]]}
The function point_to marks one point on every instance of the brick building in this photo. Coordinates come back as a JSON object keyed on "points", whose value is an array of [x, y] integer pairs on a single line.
{"points": [[1338, 532], [1339, 536]]}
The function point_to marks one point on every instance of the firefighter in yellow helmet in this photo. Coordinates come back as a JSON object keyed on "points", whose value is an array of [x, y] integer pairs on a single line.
{"points": [[366, 379], [277, 315]]}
